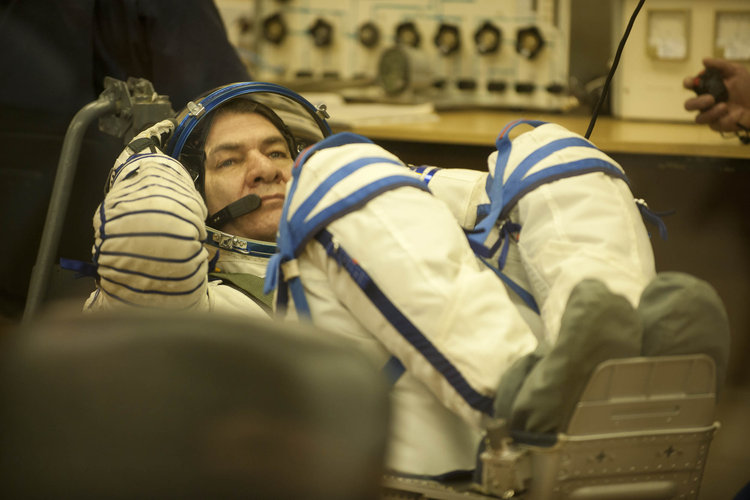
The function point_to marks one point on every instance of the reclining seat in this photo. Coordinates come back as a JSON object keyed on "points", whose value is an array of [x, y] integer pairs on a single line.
{"points": [[641, 429]]}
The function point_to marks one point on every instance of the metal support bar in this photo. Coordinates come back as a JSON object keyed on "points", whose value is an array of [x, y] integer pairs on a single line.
{"points": [[58, 205]]}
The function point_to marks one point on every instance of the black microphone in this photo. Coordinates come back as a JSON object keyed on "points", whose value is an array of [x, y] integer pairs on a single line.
{"points": [[243, 206]]}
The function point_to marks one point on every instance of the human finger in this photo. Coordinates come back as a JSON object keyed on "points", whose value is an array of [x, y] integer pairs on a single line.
{"points": [[728, 122], [712, 115], [700, 103], [725, 67], [688, 82]]}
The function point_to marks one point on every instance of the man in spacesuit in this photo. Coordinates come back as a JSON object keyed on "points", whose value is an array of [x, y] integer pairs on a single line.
{"points": [[377, 254], [151, 227]]}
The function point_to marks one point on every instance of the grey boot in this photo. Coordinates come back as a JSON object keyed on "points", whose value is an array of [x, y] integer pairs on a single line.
{"points": [[682, 314], [597, 325], [511, 381]]}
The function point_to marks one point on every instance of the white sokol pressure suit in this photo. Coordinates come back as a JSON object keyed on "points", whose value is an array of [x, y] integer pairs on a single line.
{"points": [[393, 273]]}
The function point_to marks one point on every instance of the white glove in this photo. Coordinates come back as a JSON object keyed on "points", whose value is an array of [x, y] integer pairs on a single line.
{"points": [[152, 139], [148, 238]]}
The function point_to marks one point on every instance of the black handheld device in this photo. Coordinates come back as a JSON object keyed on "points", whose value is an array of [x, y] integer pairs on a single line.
{"points": [[711, 82]]}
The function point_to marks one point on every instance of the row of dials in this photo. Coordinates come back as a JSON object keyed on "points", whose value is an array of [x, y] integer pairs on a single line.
{"points": [[462, 84], [488, 37]]}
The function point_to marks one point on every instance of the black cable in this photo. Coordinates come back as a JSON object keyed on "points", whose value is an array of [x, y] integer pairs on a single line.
{"points": [[611, 73]]}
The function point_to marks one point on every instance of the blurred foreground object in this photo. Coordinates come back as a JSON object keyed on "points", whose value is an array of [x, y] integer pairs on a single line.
{"points": [[186, 406]]}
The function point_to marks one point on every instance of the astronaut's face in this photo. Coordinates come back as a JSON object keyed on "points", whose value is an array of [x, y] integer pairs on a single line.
{"points": [[246, 154]]}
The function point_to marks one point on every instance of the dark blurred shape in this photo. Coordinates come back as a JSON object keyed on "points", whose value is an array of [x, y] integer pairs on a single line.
{"points": [[529, 42], [497, 85], [274, 29], [466, 84], [175, 405], [368, 34], [525, 87], [447, 39], [55, 56], [321, 32], [710, 81], [407, 34], [488, 38]]}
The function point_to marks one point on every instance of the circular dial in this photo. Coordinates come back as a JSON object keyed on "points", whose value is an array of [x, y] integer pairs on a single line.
{"points": [[321, 32], [529, 42], [274, 29], [487, 38], [448, 39], [369, 35], [407, 34]]}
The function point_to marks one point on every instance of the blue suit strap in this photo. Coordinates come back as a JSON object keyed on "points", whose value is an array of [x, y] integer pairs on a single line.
{"points": [[654, 218], [393, 369], [518, 188], [427, 172], [505, 193], [524, 294], [405, 327], [295, 231], [353, 202], [300, 228], [81, 268], [332, 141], [291, 239], [494, 187]]}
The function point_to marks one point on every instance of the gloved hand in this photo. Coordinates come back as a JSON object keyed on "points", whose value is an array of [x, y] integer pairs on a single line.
{"points": [[152, 139], [149, 231]]}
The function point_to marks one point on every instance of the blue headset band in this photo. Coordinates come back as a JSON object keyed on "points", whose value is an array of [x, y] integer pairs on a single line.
{"points": [[214, 99]]}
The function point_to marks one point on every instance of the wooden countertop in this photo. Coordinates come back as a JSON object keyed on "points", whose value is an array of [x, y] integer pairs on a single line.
{"points": [[480, 128]]}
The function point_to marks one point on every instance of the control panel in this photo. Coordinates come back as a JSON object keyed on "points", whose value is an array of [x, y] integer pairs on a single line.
{"points": [[503, 53]]}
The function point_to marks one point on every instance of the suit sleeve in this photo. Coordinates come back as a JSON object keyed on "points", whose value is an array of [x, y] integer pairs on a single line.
{"points": [[148, 239]]}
